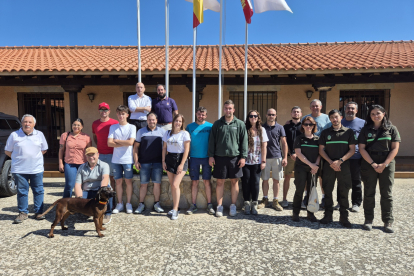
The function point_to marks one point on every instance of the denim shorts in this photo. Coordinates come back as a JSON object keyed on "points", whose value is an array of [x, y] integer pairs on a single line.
{"points": [[123, 170], [107, 158], [195, 164], [151, 171]]}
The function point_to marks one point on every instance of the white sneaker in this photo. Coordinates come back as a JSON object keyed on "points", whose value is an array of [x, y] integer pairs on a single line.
{"points": [[174, 215], [219, 212], [355, 208], [233, 211], [285, 204], [129, 208], [170, 213], [157, 208], [119, 207], [140, 209], [336, 207]]}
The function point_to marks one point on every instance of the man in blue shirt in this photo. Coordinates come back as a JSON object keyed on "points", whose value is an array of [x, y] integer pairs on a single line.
{"points": [[148, 159], [165, 108], [356, 124], [200, 133]]}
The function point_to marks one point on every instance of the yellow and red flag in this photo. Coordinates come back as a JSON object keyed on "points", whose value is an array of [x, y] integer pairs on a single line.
{"points": [[201, 5], [248, 10]]}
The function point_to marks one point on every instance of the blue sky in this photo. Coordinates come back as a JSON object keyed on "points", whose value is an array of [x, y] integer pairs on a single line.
{"points": [[113, 22]]}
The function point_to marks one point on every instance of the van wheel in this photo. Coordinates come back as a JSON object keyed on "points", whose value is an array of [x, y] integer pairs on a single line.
{"points": [[8, 186]]}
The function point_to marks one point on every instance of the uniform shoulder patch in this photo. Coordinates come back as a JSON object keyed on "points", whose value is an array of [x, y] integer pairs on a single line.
{"points": [[329, 137]]}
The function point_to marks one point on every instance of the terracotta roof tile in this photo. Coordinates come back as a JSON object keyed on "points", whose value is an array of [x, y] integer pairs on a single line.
{"points": [[270, 57]]}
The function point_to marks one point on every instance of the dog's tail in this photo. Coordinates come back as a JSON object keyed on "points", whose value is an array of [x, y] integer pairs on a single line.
{"points": [[50, 208]]}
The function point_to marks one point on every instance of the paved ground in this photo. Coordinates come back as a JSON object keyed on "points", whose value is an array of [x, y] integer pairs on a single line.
{"points": [[152, 244]]}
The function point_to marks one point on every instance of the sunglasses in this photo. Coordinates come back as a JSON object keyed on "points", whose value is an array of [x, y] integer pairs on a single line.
{"points": [[271, 114], [103, 110], [253, 116], [308, 124]]}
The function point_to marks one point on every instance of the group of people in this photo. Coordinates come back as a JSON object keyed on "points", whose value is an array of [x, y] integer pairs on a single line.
{"points": [[314, 146]]}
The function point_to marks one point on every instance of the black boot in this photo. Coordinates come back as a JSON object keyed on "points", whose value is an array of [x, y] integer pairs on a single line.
{"points": [[311, 217], [327, 218], [345, 222], [295, 217]]}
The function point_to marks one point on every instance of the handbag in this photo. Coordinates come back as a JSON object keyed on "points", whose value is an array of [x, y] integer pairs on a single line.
{"points": [[313, 203]]}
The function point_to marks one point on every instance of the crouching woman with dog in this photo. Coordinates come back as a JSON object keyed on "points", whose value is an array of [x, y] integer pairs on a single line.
{"points": [[91, 176]]}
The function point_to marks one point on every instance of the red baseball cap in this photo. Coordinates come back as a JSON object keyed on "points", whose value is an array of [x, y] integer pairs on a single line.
{"points": [[104, 104]]}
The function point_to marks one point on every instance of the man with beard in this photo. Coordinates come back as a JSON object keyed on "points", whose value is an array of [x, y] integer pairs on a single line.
{"points": [[200, 133], [356, 124], [227, 149], [165, 108], [292, 129], [336, 146]]}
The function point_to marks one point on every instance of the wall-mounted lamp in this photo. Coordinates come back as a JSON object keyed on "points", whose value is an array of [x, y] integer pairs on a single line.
{"points": [[200, 96], [91, 96], [309, 94]]}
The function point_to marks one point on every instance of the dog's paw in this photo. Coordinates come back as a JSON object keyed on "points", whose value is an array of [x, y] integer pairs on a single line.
{"points": [[65, 228], [101, 235], [51, 236], [103, 228]]}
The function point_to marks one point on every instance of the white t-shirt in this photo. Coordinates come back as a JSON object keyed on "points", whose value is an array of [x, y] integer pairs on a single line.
{"points": [[134, 101], [175, 142], [123, 155], [255, 156], [27, 156]]}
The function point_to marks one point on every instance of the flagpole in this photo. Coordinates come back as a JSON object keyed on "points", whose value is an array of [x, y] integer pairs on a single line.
{"points": [[167, 31], [194, 72], [245, 75], [139, 39], [220, 57]]}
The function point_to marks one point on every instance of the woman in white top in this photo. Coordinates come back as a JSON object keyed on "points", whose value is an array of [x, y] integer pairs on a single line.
{"points": [[174, 158], [255, 162]]}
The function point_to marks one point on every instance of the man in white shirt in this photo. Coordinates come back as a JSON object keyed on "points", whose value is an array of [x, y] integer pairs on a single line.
{"points": [[121, 137], [26, 148], [140, 105]]}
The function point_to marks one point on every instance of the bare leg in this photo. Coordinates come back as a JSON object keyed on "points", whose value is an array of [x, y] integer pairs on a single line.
{"points": [[234, 190], [220, 191], [286, 184], [276, 187], [128, 189], [265, 187], [207, 188], [156, 191], [119, 190], [194, 190], [176, 188], [320, 185], [143, 192]]}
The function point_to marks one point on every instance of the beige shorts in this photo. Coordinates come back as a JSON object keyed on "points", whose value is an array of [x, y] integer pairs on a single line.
{"points": [[273, 165], [290, 167]]}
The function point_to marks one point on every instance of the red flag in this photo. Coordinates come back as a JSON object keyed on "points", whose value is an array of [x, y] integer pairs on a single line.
{"points": [[248, 10]]}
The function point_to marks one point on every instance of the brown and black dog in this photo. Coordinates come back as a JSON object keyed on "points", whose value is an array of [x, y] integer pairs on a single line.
{"points": [[95, 207]]}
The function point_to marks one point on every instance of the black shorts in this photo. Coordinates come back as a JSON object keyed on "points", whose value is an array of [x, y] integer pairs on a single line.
{"points": [[138, 123], [173, 160], [226, 167]]}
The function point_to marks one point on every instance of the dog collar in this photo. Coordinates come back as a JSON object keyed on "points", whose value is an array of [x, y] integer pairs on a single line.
{"points": [[102, 202]]}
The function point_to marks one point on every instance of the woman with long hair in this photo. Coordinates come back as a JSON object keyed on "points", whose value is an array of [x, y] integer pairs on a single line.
{"points": [[307, 164], [176, 147], [72, 154], [378, 142], [255, 162]]}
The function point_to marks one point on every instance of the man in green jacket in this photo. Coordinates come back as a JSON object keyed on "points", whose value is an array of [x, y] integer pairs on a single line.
{"points": [[227, 151]]}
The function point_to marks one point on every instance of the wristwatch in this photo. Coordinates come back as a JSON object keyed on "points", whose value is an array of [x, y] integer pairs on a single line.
{"points": [[342, 160]]}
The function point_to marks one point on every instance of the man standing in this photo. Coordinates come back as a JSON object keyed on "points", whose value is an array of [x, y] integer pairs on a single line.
{"points": [[26, 147], [276, 146], [100, 130], [227, 149], [148, 159], [140, 105], [91, 176], [165, 108], [336, 146], [121, 137], [292, 129], [322, 122], [200, 133], [356, 124]]}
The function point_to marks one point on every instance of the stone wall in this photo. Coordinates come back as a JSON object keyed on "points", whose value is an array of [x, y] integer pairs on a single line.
{"points": [[185, 199]]}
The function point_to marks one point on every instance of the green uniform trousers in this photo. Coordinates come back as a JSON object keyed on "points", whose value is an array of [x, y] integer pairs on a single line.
{"points": [[386, 179], [303, 177], [344, 185]]}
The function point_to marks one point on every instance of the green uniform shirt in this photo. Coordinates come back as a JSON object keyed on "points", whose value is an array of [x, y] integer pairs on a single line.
{"points": [[228, 139], [337, 142], [368, 134], [309, 147]]}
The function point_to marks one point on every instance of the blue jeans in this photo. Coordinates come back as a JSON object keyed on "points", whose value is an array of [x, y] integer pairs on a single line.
{"points": [[36, 183], [125, 170], [151, 171], [70, 177], [195, 163], [92, 194]]}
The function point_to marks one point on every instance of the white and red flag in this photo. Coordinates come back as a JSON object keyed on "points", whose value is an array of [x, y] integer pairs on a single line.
{"points": [[270, 5], [247, 10]]}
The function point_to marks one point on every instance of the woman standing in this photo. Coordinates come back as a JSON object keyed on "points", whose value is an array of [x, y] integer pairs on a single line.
{"points": [[255, 162], [174, 158], [378, 142], [72, 154], [307, 164]]}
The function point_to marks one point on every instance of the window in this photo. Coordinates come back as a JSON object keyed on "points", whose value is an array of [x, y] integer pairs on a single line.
{"points": [[260, 101], [4, 125], [364, 99], [15, 125]]}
